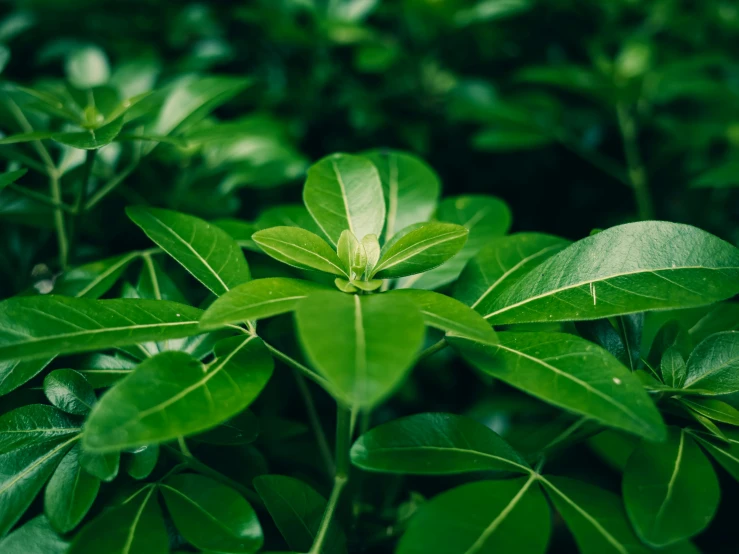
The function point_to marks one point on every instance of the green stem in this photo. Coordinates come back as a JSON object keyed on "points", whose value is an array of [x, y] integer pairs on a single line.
{"points": [[343, 440], [315, 421], [433, 349], [55, 191], [79, 203], [636, 170], [113, 183], [310, 374], [44, 199]]}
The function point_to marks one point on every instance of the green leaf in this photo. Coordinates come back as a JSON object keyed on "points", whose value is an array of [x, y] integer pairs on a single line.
{"points": [[421, 249], [726, 453], [481, 517], [722, 317], [434, 444], [243, 428], [712, 409], [571, 373], [363, 345], [70, 493], [670, 490], [155, 283], [173, 395], [299, 248], [94, 279], [507, 140], [34, 537], [203, 249], [345, 192], [673, 368], [11, 177], [240, 231], [143, 461], [104, 466], [595, 517], [136, 526], [297, 511], [211, 516], [290, 215], [351, 253], [713, 367], [410, 186], [485, 217], [258, 299], [723, 176], [626, 269], [32, 441], [670, 335], [37, 326], [69, 391], [449, 315], [501, 264], [13, 374], [91, 139], [87, 67], [34, 424]]}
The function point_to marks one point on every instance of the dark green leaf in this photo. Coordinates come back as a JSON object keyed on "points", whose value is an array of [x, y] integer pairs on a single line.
{"points": [[363, 345], [423, 248], [210, 515], [299, 248], [481, 517], [411, 188], [626, 269], [723, 176], [94, 279], [69, 391], [240, 231], [726, 453], [434, 444], [297, 511], [104, 466], [502, 263], [136, 526], [673, 368], [449, 315], [143, 461], [670, 490], [35, 424], [11, 177], [34, 537], [712, 409], [240, 429], [344, 192], [258, 299], [173, 395], [713, 367], [15, 373], [91, 139], [203, 249], [485, 217], [35, 326], [572, 373], [70, 493]]}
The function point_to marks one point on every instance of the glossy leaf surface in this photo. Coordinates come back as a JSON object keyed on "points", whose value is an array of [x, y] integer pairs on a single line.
{"points": [[299, 248]]}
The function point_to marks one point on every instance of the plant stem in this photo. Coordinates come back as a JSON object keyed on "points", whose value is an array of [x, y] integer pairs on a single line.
{"points": [[111, 185], [636, 171], [55, 191], [315, 421], [43, 198], [200, 467], [343, 440], [79, 203], [433, 349], [310, 374]]}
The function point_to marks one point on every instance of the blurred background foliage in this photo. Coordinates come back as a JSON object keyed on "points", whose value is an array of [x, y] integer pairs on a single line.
{"points": [[580, 114]]}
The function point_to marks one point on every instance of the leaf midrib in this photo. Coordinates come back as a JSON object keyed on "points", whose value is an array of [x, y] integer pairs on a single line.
{"points": [[455, 449], [416, 249], [309, 252]]}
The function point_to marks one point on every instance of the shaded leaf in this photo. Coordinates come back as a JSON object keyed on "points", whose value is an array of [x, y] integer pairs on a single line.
{"points": [[70, 493], [69, 391], [143, 461], [34, 537], [713, 367], [94, 279]]}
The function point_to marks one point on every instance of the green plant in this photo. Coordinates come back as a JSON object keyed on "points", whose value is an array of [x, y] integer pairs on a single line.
{"points": [[621, 340]]}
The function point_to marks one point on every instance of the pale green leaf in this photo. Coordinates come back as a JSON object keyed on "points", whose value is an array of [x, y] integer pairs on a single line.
{"points": [[299, 248]]}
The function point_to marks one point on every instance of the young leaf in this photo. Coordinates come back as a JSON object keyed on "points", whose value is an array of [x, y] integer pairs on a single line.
{"points": [[136, 526], [569, 372], [372, 251], [421, 249], [94, 279], [670, 490], [351, 253], [299, 248], [91, 139], [670, 335], [501, 264], [211, 516], [143, 461], [449, 315], [485, 516], [364, 345], [673, 368], [13, 374], [258, 299], [70, 493], [297, 511], [594, 516], [434, 444], [713, 367], [485, 217], [203, 249], [411, 188], [626, 269], [37, 326], [344, 192], [34, 537], [172, 395], [69, 391]]}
